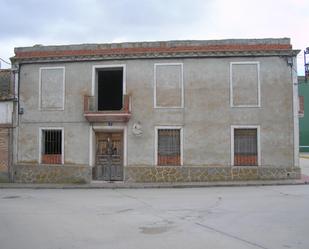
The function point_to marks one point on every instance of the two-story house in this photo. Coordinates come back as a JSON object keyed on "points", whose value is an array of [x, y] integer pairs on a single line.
{"points": [[171, 111]]}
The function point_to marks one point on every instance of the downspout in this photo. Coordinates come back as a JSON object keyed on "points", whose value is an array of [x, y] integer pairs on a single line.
{"points": [[15, 129]]}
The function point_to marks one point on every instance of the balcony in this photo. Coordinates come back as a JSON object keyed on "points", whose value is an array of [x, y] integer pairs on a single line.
{"points": [[92, 114]]}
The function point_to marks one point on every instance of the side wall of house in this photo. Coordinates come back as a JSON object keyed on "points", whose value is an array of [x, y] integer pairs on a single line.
{"points": [[206, 119]]}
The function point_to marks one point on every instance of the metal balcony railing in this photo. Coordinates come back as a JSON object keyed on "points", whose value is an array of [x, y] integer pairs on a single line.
{"points": [[92, 114]]}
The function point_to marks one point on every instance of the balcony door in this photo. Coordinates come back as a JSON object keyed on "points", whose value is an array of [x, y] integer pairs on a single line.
{"points": [[110, 89]]}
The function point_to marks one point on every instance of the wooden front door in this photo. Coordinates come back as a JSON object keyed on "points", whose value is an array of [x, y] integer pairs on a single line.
{"points": [[109, 156]]}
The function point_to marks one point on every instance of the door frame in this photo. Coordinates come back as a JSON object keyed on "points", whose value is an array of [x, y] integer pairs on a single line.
{"points": [[104, 128], [94, 80]]}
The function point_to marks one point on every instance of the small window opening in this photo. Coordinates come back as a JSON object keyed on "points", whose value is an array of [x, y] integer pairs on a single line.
{"points": [[110, 89], [52, 147], [169, 147], [245, 147]]}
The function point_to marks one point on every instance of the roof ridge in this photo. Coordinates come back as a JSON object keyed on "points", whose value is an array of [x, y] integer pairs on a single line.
{"points": [[170, 43]]}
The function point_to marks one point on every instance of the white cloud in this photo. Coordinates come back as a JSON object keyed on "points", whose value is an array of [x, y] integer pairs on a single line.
{"points": [[263, 18], [97, 21]]}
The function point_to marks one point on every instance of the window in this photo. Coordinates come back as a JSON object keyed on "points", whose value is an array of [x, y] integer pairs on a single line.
{"points": [[51, 96], [52, 146], [245, 84], [168, 85], [168, 147], [245, 147]]}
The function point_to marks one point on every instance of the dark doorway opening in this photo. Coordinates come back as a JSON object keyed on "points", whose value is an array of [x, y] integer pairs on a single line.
{"points": [[110, 89]]}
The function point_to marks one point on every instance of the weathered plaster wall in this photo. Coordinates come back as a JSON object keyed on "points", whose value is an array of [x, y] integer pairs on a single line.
{"points": [[6, 110], [76, 142], [245, 92]]}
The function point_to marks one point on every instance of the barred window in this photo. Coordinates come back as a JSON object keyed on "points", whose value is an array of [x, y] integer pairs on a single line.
{"points": [[52, 146], [169, 147], [245, 147]]}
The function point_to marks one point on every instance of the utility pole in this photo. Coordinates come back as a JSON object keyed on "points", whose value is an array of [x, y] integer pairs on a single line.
{"points": [[306, 63]]}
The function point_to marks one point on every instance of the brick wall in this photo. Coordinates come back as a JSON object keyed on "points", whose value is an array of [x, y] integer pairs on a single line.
{"points": [[4, 154]]}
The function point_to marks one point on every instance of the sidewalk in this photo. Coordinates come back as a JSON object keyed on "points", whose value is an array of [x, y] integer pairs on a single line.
{"points": [[113, 185]]}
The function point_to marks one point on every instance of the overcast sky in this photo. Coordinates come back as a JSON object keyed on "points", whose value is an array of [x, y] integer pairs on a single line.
{"points": [[29, 22]]}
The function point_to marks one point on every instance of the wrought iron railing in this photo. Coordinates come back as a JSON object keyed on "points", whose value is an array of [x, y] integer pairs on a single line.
{"points": [[91, 106]]}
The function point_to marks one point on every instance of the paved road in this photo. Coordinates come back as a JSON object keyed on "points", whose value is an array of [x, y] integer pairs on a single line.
{"points": [[271, 217]]}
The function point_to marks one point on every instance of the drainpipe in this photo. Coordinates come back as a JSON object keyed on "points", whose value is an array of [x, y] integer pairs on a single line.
{"points": [[15, 121]]}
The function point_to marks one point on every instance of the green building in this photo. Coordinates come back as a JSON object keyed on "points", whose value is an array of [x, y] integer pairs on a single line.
{"points": [[303, 89]]}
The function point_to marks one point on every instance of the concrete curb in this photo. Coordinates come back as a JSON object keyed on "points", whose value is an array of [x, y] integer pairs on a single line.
{"points": [[121, 185]]}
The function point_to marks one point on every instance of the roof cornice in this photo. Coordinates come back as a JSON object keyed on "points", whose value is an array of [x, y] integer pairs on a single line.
{"points": [[142, 50]]}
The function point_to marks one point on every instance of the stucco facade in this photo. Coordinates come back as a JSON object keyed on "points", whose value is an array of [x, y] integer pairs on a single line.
{"points": [[204, 111]]}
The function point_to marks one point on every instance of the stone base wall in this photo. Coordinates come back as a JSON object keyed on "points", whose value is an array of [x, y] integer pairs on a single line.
{"points": [[24, 173], [4, 177], [203, 174], [52, 173]]}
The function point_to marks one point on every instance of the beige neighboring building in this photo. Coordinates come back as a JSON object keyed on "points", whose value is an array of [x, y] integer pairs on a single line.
{"points": [[170, 111], [7, 98]]}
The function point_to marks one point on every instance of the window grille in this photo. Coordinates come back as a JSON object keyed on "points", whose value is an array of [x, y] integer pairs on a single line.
{"points": [[169, 147], [245, 147], [52, 147]]}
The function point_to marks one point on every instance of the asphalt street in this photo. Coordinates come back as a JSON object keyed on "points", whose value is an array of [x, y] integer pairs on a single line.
{"points": [[214, 217]]}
